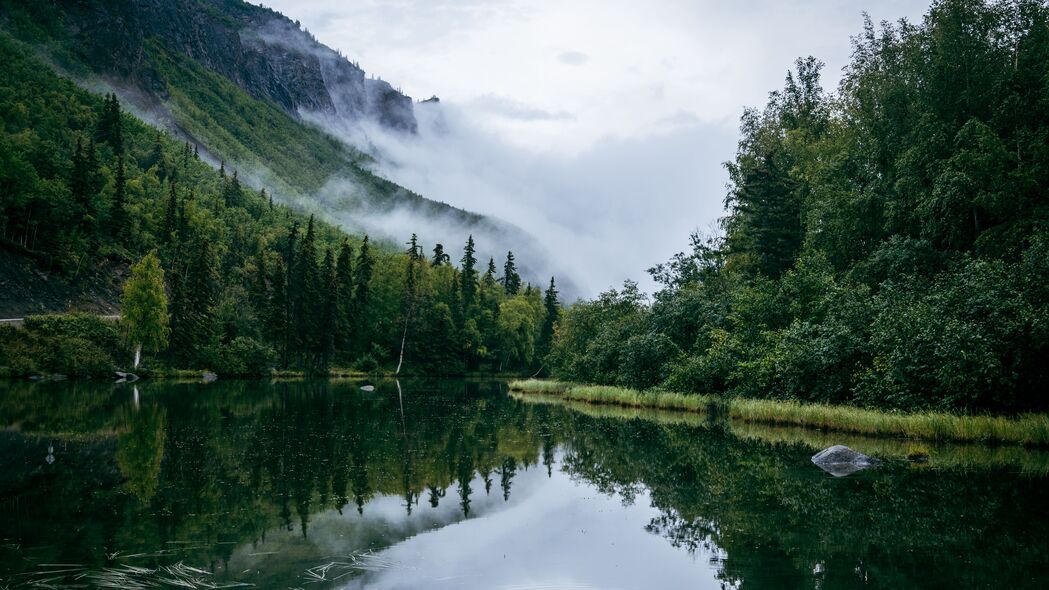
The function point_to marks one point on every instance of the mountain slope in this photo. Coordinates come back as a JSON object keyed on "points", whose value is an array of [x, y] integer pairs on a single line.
{"points": [[234, 79]]}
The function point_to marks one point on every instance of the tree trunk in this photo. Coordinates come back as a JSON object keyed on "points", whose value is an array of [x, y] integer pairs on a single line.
{"points": [[138, 354]]}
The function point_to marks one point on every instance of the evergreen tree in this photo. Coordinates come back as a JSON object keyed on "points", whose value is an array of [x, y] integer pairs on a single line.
{"points": [[118, 212], [307, 302], [198, 318], [440, 258], [329, 309], [232, 194], [361, 297], [344, 303], [158, 159], [109, 128], [552, 311], [511, 279], [414, 251], [278, 318], [488, 280], [468, 276], [171, 212]]}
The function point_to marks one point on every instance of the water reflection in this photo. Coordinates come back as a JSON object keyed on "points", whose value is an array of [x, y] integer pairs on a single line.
{"points": [[453, 484]]}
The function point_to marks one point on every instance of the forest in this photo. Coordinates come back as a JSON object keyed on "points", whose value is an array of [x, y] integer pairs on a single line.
{"points": [[884, 245], [244, 285]]}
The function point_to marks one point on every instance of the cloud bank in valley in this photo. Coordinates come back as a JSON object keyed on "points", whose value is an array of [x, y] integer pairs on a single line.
{"points": [[598, 126]]}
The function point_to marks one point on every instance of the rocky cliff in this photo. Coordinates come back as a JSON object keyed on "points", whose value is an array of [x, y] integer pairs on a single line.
{"points": [[260, 50]]}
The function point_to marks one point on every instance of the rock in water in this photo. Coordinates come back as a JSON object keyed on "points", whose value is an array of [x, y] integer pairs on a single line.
{"points": [[840, 460], [367, 388], [208, 377]]}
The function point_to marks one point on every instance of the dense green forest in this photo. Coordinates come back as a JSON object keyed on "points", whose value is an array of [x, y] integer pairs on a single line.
{"points": [[885, 245], [250, 284]]}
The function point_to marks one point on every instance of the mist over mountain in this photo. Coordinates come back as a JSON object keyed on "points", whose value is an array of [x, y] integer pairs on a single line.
{"points": [[257, 93]]}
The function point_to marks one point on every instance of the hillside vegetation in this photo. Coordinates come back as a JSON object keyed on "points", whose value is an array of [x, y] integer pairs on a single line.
{"points": [[885, 245], [251, 284]]}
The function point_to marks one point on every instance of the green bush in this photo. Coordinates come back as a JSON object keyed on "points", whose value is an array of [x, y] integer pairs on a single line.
{"points": [[244, 357], [100, 331], [646, 360]]}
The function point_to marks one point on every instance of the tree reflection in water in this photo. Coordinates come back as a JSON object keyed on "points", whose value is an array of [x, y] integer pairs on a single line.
{"points": [[238, 476]]}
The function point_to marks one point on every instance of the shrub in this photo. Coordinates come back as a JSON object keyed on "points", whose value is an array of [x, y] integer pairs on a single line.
{"points": [[645, 360], [244, 356]]}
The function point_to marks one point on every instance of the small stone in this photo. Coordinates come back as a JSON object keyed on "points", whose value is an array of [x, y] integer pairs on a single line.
{"points": [[840, 460]]}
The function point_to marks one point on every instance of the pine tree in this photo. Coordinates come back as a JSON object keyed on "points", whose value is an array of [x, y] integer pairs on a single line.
{"points": [[79, 184], [278, 317], [414, 251], [305, 291], [468, 278], [171, 214], [439, 256], [344, 304], [361, 294], [157, 158], [488, 280], [552, 309], [197, 325], [329, 310], [109, 129], [118, 212], [511, 279], [232, 195]]}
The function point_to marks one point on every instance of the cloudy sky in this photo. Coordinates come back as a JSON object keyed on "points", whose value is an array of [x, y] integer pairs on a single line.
{"points": [[599, 126]]}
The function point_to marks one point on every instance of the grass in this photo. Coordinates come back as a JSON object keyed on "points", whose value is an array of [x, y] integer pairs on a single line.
{"points": [[1028, 429]]}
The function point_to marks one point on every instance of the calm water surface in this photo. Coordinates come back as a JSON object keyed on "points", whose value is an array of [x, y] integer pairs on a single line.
{"points": [[454, 484]]}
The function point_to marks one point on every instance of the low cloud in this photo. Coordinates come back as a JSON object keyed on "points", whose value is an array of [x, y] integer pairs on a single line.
{"points": [[509, 108], [601, 216]]}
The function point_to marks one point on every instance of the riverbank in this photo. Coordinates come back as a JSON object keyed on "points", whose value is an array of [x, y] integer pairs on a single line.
{"points": [[1029, 429]]}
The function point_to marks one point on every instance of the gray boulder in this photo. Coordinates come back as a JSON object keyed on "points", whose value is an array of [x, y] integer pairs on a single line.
{"points": [[208, 377], [840, 460]]}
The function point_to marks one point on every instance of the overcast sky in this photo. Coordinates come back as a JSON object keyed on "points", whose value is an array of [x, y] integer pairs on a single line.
{"points": [[599, 126]]}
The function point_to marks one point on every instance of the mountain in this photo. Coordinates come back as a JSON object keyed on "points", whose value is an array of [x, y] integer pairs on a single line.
{"points": [[242, 83]]}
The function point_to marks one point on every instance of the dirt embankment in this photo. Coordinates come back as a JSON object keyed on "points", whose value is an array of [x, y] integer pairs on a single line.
{"points": [[27, 288]]}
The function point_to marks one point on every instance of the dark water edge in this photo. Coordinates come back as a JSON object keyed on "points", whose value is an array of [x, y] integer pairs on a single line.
{"points": [[455, 484]]}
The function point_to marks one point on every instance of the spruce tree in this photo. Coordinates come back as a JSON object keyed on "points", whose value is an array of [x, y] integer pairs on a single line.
{"points": [[329, 309], [468, 276], [306, 299], [511, 279], [414, 251], [118, 211], [277, 319], [361, 294], [552, 309], [440, 258], [171, 214], [488, 280], [344, 304]]}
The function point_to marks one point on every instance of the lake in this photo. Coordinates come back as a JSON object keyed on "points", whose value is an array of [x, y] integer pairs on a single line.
{"points": [[458, 484]]}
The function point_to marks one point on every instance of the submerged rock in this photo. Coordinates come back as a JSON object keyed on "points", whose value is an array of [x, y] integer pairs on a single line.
{"points": [[840, 460]]}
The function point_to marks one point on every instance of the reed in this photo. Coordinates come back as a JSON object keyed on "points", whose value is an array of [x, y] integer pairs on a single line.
{"points": [[1027, 429]]}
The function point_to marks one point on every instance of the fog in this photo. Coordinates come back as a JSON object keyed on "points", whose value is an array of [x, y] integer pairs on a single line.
{"points": [[599, 126], [604, 215]]}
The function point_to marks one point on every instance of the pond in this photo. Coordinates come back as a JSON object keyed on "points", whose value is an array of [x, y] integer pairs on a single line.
{"points": [[458, 484]]}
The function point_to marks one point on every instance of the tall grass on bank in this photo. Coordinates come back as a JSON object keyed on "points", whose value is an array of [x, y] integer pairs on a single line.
{"points": [[1029, 429]]}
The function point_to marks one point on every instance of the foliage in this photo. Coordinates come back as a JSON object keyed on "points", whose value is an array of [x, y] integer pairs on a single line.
{"points": [[84, 184], [144, 305], [883, 246]]}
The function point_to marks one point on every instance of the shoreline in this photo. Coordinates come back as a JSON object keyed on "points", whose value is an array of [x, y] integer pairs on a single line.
{"points": [[1028, 430]]}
